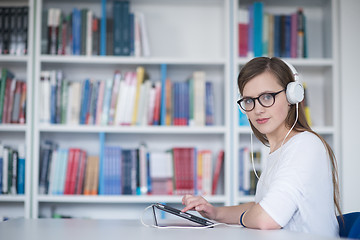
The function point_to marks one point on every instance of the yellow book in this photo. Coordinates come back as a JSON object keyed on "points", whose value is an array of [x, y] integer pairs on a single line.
{"points": [[306, 107], [140, 75]]}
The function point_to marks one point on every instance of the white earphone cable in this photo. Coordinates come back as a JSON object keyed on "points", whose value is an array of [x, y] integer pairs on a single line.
{"points": [[282, 143]]}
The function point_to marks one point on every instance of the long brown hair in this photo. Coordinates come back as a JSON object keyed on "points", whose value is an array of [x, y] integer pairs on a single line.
{"points": [[284, 76]]}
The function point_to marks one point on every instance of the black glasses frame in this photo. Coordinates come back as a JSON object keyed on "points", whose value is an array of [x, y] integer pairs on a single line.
{"points": [[258, 98]]}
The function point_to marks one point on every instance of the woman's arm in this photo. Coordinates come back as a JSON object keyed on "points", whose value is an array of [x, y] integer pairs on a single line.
{"points": [[255, 216]]}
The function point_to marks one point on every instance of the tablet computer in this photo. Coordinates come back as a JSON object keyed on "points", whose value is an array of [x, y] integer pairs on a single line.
{"points": [[179, 213]]}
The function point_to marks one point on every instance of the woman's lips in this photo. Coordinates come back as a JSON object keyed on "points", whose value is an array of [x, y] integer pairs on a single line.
{"points": [[262, 120]]}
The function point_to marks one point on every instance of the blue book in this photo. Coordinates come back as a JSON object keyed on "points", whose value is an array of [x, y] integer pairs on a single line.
{"points": [[287, 33], [277, 20], [132, 34], [62, 171], [117, 8], [258, 28], [84, 101], [163, 72], [209, 104], [125, 27], [148, 175], [101, 164], [21, 171], [53, 98], [103, 28], [76, 28], [126, 172]]}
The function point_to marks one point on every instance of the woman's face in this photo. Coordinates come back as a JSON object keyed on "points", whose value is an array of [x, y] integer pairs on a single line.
{"points": [[267, 120]]}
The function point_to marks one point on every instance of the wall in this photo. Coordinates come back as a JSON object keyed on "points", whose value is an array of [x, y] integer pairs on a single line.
{"points": [[350, 109]]}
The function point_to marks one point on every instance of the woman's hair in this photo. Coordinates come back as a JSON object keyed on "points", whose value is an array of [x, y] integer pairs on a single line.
{"points": [[284, 76]]}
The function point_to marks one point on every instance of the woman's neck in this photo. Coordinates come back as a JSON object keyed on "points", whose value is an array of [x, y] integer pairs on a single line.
{"points": [[277, 139]]}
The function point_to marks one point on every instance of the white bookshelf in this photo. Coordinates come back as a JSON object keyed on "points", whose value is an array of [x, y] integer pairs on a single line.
{"points": [[14, 206], [178, 37], [320, 71], [186, 35]]}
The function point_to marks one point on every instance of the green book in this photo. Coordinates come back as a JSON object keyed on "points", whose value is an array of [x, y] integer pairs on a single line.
{"points": [[2, 91]]}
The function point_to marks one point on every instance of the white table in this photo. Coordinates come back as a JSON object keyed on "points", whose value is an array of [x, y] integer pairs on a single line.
{"points": [[68, 229]]}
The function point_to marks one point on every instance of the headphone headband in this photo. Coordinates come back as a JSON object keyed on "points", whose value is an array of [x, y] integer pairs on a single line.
{"points": [[294, 90]]}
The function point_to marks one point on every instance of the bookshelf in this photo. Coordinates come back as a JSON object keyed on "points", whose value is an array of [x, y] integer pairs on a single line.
{"points": [[187, 36], [320, 71], [13, 135], [176, 49]]}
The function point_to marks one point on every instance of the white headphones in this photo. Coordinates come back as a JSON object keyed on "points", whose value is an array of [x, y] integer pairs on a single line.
{"points": [[294, 90]]}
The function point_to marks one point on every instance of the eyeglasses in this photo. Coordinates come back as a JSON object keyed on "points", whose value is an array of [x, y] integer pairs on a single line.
{"points": [[265, 99]]}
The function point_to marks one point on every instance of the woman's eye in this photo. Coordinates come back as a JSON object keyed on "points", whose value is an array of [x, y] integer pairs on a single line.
{"points": [[267, 97], [248, 101]]}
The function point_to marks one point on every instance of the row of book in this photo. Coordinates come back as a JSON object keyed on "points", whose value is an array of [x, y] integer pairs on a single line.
{"points": [[129, 98], [14, 30], [247, 167], [12, 98], [82, 33], [138, 171], [265, 34], [12, 170]]}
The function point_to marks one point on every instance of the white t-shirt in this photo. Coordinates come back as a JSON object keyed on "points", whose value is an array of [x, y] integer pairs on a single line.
{"points": [[296, 187]]}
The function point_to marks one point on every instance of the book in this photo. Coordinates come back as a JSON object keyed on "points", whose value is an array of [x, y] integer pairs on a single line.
{"points": [[219, 166], [140, 76], [161, 172], [163, 73], [243, 28], [21, 170]]}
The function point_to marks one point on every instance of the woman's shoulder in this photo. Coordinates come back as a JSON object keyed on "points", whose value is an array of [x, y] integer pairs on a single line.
{"points": [[307, 138]]}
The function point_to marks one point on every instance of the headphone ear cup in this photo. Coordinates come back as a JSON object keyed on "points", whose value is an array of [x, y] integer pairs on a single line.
{"points": [[294, 92]]}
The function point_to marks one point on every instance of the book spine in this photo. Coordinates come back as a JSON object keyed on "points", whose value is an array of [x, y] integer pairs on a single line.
{"points": [[103, 28]]}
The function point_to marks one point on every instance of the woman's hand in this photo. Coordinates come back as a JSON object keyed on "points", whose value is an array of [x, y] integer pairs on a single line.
{"points": [[199, 204]]}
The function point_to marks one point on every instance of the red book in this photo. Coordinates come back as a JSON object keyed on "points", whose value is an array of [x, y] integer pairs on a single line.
{"points": [[75, 169], [217, 171], [243, 39], [157, 104], [69, 170]]}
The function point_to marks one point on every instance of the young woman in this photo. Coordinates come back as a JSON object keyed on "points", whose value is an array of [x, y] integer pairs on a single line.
{"points": [[298, 190]]}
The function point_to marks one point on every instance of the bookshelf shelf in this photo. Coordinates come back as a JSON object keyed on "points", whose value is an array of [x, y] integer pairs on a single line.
{"points": [[12, 198], [308, 62], [134, 129], [130, 60], [121, 199], [12, 58], [12, 128]]}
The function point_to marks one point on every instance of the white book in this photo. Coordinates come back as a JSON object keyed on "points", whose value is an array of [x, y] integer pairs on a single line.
{"points": [[137, 36], [62, 171], [54, 169], [107, 100], [89, 35], [119, 104], [143, 169], [131, 100], [145, 105], [161, 165], [44, 98], [75, 103], [114, 97], [144, 36], [124, 98], [199, 98], [206, 172], [151, 104]]}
